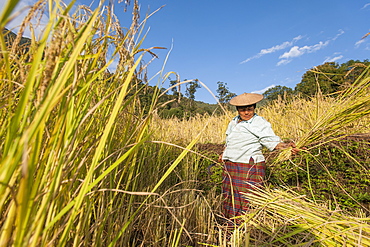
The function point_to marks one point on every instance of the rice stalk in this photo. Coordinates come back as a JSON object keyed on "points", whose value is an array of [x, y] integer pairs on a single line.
{"points": [[55, 142], [328, 124], [295, 216]]}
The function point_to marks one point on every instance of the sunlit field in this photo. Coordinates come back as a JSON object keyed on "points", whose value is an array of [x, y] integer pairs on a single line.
{"points": [[83, 163]]}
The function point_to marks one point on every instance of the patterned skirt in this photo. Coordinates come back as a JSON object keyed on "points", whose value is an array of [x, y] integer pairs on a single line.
{"points": [[238, 179]]}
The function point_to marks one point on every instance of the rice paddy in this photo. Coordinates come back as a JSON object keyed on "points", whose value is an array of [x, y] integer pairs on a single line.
{"points": [[82, 164]]}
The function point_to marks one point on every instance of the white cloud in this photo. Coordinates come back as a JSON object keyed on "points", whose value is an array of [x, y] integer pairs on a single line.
{"points": [[296, 51], [366, 5], [283, 62], [281, 46], [264, 90], [332, 59], [339, 34], [358, 43], [273, 49]]}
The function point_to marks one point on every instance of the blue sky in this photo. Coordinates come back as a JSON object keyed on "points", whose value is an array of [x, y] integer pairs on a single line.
{"points": [[251, 45]]}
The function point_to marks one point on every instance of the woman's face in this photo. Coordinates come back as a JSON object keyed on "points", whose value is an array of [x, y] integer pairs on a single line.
{"points": [[246, 112]]}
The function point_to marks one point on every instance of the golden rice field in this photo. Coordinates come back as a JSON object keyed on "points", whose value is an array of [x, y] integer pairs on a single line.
{"points": [[82, 164], [290, 120]]}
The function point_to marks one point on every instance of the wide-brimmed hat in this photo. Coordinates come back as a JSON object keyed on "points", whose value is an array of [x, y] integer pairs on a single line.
{"points": [[246, 99]]}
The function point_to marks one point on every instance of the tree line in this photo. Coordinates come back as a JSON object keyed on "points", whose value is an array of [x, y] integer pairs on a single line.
{"points": [[185, 106], [328, 79]]}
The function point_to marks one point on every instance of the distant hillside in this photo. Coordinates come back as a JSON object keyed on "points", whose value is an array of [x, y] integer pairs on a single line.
{"points": [[10, 37]]}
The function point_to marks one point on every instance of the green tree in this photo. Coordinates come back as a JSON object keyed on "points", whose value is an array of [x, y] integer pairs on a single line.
{"points": [[353, 69], [223, 93], [326, 78], [274, 92], [174, 90], [191, 89]]}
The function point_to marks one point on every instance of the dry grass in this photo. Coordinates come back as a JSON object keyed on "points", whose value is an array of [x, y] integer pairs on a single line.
{"points": [[174, 130], [290, 120]]}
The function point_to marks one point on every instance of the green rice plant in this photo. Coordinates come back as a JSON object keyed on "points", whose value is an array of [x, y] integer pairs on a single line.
{"points": [[61, 147], [78, 163]]}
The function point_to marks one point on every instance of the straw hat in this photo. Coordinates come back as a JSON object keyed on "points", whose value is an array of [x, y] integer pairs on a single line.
{"points": [[246, 99]]}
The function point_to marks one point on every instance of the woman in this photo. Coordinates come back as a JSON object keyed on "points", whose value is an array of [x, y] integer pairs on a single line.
{"points": [[244, 163]]}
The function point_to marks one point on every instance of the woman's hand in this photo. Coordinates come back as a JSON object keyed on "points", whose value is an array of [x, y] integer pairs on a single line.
{"points": [[220, 158], [283, 145], [295, 150]]}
